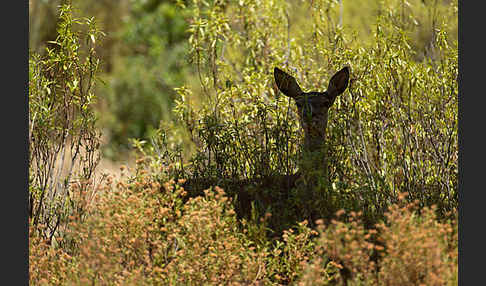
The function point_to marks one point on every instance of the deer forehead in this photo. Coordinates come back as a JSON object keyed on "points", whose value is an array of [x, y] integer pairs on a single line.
{"points": [[318, 102]]}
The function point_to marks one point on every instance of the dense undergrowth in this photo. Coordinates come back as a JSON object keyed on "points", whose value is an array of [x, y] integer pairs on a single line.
{"points": [[387, 215], [142, 233]]}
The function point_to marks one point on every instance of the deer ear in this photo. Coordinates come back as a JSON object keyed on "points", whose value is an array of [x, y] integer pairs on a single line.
{"points": [[286, 83], [338, 82]]}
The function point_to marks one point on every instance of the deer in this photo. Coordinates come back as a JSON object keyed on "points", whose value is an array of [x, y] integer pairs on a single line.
{"points": [[313, 111]]}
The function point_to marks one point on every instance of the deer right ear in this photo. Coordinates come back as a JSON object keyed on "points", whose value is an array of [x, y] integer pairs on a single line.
{"points": [[338, 82], [286, 83]]}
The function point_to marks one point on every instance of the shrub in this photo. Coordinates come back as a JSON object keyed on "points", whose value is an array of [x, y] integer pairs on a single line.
{"points": [[394, 130], [140, 232], [427, 254], [63, 140], [288, 255], [150, 63], [47, 265], [410, 248]]}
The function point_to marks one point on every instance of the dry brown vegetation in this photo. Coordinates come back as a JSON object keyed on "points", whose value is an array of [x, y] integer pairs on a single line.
{"points": [[139, 232]]}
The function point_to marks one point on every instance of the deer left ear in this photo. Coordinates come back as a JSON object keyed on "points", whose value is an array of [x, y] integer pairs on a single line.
{"points": [[286, 83], [338, 82]]}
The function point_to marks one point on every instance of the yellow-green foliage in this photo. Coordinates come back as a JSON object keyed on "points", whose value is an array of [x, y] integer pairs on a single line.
{"points": [[63, 138], [393, 130]]}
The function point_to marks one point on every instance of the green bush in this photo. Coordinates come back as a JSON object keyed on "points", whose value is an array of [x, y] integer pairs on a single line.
{"points": [[394, 130], [150, 64], [63, 140]]}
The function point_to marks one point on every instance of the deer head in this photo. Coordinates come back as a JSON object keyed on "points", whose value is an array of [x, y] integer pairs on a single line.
{"points": [[313, 106]]}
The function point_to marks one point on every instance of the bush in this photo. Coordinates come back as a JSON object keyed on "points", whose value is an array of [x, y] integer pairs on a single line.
{"points": [[141, 232], [410, 248], [394, 130], [63, 140], [151, 63]]}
